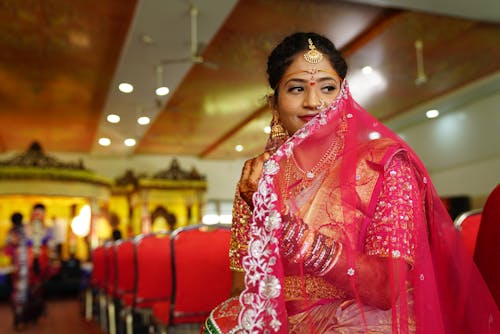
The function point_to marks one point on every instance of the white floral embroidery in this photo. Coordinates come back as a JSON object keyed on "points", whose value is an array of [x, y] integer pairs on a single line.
{"points": [[288, 149], [269, 287], [271, 167], [273, 221], [350, 271]]}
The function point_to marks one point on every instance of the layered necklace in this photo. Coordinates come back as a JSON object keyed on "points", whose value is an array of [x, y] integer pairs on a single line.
{"points": [[296, 179]]}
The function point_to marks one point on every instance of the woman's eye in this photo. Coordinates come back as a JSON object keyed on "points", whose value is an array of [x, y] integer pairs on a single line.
{"points": [[329, 88], [295, 89]]}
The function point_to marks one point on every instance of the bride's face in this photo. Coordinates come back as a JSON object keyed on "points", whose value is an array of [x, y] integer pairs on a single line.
{"points": [[304, 91]]}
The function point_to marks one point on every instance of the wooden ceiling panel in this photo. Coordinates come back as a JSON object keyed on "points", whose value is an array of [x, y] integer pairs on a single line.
{"points": [[58, 58]]}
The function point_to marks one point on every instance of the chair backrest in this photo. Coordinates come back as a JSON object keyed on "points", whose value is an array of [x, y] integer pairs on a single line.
{"points": [[153, 269], [125, 267], [487, 251], [202, 278], [98, 277], [468, 225], [111, 268]]}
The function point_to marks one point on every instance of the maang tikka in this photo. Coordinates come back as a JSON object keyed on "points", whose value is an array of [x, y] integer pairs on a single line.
{"points": [[312, 56]]}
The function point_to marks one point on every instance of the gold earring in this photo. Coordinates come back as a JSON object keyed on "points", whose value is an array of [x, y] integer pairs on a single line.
{"points": [[278, 132]]}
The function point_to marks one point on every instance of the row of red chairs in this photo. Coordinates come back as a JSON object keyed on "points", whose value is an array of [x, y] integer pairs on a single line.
{"points": [[165, 279]]}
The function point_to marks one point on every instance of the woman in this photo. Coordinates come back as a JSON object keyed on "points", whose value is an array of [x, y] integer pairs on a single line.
{"points": [[337, 228]]}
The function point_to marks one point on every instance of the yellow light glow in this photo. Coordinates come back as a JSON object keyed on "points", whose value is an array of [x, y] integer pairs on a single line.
{"points": [[80, 225]]}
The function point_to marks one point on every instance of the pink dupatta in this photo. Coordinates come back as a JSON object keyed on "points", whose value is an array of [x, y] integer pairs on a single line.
{"points": [[448, 292]]}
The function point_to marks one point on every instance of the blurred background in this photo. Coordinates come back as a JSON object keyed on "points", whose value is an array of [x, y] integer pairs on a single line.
{"points": [[137, 116]]}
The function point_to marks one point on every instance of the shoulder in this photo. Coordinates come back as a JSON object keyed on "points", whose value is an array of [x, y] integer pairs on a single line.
{"points": [[380, 150]]}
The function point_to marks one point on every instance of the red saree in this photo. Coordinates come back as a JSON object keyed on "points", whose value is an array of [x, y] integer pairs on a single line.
{"points": [[351, 179]]}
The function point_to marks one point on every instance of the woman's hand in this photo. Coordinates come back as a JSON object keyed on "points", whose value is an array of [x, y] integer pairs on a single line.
{"points": [[318, 253], [252, 170]]}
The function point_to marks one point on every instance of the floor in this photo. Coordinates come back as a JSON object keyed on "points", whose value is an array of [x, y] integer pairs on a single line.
{"points": [[66, 317], [62, 317]]}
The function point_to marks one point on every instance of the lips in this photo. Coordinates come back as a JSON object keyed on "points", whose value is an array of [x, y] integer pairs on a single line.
{"points": [[307, 118]]}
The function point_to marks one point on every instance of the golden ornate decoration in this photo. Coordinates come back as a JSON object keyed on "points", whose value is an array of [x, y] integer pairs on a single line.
{"points": [[312, 56]]}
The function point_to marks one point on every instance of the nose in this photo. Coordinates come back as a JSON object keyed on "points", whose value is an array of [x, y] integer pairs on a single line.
{"points": [[312, 100]]}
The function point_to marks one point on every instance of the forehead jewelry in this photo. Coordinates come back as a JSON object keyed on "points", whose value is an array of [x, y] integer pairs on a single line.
{"points": [[312, 72], [312, 56]]}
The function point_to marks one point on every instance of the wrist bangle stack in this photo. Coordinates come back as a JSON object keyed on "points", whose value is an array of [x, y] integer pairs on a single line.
{"points": [[295, 232], [323, 256]]}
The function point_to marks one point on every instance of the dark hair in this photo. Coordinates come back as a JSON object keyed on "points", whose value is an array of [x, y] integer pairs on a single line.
{"points": [[39, 206], [17, 219], [283, 55]]}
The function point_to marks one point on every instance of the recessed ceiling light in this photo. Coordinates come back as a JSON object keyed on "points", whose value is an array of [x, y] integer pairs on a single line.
{"points": [[367, 70], [104, 141], [432, 113], [238, 148], [267, 129], [147, 39], [162, 91], [112, 118], [125, 87], [129, 142], [143, 120]]}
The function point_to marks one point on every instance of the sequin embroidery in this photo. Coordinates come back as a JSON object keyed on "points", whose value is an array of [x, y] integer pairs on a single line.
{"points": [[391, 230]]}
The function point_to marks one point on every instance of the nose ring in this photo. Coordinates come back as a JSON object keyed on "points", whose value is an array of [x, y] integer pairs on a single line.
{"points": [[322, 105]]}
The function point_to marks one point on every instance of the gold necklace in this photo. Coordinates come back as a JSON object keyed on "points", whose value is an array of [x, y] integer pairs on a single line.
{"points": [[296, 179]]}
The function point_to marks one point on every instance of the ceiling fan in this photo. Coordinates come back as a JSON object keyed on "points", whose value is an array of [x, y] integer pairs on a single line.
{"points": [[421, 76], [195, 57]]}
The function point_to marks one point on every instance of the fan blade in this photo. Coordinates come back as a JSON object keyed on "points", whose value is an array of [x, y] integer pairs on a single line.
{"points": [[177, 61], [194, 30], [211, 65]]}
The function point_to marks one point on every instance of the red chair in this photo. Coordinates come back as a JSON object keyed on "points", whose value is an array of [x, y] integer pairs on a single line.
{"points": [[97, 285], [110, 284], [487, 251], [125, 268], [202, 278], [153, 277], [468, 225]]}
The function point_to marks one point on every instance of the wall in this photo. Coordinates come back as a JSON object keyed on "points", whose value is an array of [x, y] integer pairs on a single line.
{"points": [[461, 148]]}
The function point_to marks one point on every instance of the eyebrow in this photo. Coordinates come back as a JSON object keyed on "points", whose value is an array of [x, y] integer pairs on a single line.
{"points": [[322, 79]]}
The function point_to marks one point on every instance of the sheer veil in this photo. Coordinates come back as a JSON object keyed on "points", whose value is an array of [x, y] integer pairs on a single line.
{"points": [[443, 291]]}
